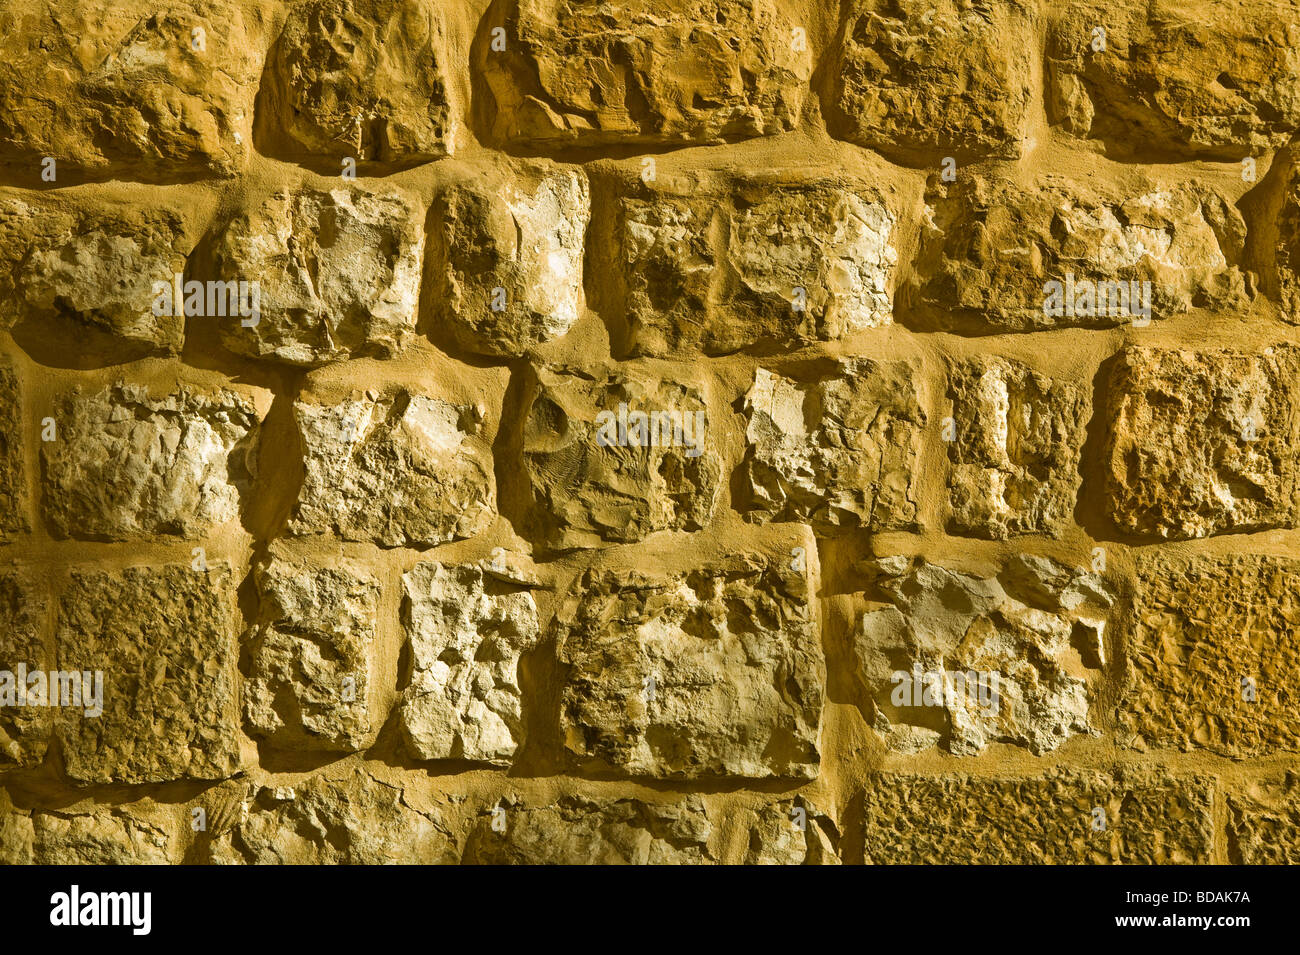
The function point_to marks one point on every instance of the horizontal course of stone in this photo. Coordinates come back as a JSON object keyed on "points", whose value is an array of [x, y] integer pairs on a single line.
{"points": [[738, 431]]}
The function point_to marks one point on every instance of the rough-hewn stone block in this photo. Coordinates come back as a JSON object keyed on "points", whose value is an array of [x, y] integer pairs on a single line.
{"points": [[1212, 80], [133, 834], [1264, 822], [505, 270], [962, 661], [397, 470], [165, 640], [13, 468], [997, 256], [712, 671], [356, 819], [1203, 443], [1150, 819], [671, 73], [125, 463], [364, 79], [24, 730], [72, 271], [792, 832], [1214, 656], [619, 455], [338, 273], [466, 632], [836, 450], [309, 678], [142, 90], [919, 81], [801, 261], [577, 830], [1014, 453]]}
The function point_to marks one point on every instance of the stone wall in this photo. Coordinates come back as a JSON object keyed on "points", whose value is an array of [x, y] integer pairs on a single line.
{"points": [[710, 432]]}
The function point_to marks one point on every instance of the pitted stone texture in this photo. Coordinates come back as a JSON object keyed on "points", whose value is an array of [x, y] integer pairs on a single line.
{"points": [[466, 633], [24, 730], [716, 671], [506, 269], [1203, 443], [398, 470], [137, 91], [13, 469], [1015, 453], [989, 249], [1151, 819], [364, 79], [577, 830], [1264, 823], [134, 834], [165, 640], [309, 680], [618, 455], [962, 661], [338, 273], [126, 464], [920, 81], [839, 450], [354, 820], [1205, 626], [94, 267], [650, 74], [1215, 80], [792, 832], [800, 262]]}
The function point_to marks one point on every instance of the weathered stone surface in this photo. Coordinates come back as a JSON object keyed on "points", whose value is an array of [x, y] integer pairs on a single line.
{"points": [[24, 730], [618, 455], [801, 261], [165, 641], [308, 686], [919, 81], [792, 832], [645, 73], [92, 268], [126, 464], [144, 91], [989, 249], [354, 820], [1274, 244], [1015, 449], [961, 661], [364, 79], [1212, 80], [397, 470], [466, 633], [506, 268], [338, 273], [716, 671], [576, 830], [836, 450], [133, 834], [1214, 654], [1264, 822], [13, 468], [1151, 819], [1203, 443]]}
